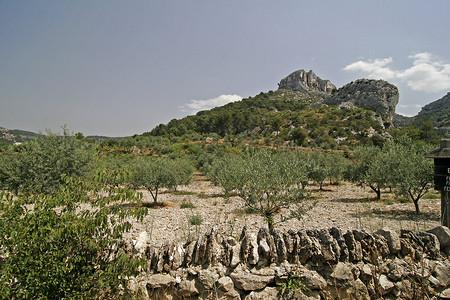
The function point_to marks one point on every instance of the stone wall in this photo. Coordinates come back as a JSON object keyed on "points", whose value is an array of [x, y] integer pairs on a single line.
{"points": [[312, 264]]}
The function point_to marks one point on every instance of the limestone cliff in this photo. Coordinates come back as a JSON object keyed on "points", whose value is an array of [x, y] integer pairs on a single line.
{"points": [[377, 95], [306, 82], [436, 106], [437, 112]]}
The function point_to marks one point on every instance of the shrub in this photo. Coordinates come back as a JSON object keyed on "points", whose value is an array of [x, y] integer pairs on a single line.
{"points": [[187, 205], [52, 251], [195, 220]]}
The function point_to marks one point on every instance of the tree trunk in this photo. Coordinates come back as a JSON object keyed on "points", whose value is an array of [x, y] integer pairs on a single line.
{"points": [[416, 205], [376, 190], [269, 219]]}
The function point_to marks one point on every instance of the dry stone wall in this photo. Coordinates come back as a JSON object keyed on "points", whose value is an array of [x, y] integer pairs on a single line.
{"points": [[311, 264]]}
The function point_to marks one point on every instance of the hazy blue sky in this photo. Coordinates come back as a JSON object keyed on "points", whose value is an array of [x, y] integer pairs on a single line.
{"points": [[122, 67]]}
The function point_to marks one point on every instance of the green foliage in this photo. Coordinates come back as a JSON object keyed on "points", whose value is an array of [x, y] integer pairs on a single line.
{"points": [[292, 282], [37, 165], [298, 135], [267, 181], [52, 248], [157, 173], [279, 111], [227, 173], [319, 167], [401, 164], [195, 220], [187, 205], [408, 169], [367, 170]]}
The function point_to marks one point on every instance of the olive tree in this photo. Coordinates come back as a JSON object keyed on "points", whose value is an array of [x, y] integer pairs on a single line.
{"points": [[274, 181], [319, 168], [410, 171], [267, 181], [38, 165], [157, 173], [228, 172], [368, 169]]}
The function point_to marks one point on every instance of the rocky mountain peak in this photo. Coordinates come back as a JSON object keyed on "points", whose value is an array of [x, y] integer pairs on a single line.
{"points": [[436, 106], [303, 81], [377, 95]]}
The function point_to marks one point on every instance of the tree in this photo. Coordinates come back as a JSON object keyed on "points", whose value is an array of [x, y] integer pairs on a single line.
{"points": [[411, 172], [154, 174], [319, 167], [38, 165], [228, 173], [298, 135], [274, 181], [368, 169], [67, 244], [267, 181]]}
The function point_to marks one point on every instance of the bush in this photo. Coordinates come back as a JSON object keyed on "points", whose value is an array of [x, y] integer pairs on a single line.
{"points": [[52, 251], [195, 220], [37, 165], [187, 205]]}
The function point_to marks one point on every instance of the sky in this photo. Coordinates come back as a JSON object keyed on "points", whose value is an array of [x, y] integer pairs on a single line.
{"points": [[118, 68]]}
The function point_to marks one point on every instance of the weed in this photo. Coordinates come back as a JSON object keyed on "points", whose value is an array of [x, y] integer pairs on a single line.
{"points": [[250, 210], [202, 195], [292, 282], [403, 200], [195, 220], [187, 205], [431, 196], [183, 193]]}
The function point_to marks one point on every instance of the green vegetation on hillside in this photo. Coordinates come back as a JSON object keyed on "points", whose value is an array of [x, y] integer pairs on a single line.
{"points": [[279, 118]]}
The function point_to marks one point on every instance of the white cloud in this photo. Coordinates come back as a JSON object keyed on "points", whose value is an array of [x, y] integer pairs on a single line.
{"points": [[194, 106], [426, 73], [410, 106], [376, 68]]}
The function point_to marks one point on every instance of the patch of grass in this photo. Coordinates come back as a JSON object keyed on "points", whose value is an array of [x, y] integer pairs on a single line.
{"points": [[202, 195], [250, 210], [431, 196], [185, 204], [183, 193], [215, 203], [403, 200], [195, 220], [154, 204]]}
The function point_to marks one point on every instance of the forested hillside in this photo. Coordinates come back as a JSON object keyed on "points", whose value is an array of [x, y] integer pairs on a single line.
{"points": [[283, 116]]}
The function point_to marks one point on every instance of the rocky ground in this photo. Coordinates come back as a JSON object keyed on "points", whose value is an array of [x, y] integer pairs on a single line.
{"points": [[345, 206]]}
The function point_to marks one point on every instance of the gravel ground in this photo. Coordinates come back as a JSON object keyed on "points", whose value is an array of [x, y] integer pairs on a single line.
{"points": [[345, 206]]}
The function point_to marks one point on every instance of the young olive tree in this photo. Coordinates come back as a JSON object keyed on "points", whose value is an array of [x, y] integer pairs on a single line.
{"points": [[267, 181], [318, 168], [157, 173], [228, 172], [274, 181], [368, 170], [410, 171]]}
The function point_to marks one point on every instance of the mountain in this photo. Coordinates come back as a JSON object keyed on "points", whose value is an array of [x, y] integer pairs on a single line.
{"points": [[19, 136], [436, 113], [306, 82], [304, 105], [377, 95], [16, 135]]}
